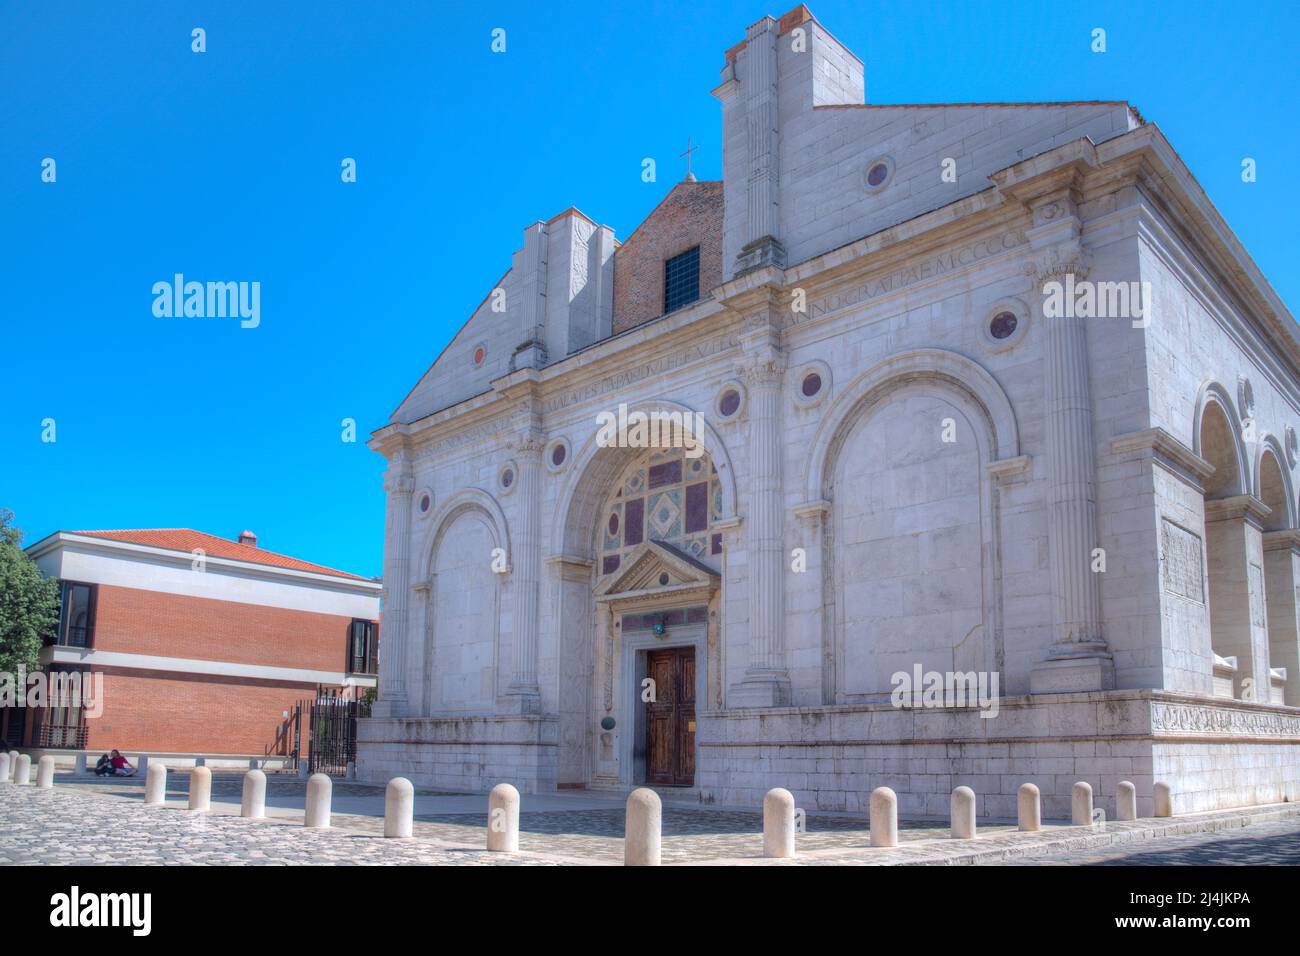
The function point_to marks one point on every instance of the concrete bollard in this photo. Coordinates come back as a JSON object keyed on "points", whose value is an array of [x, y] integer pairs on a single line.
{"points": [[200, 789], [13, 765], [884, 817], [142, 765], [45, 773], [503, 819], [352, 770], [155, 785], [1081, 804], [642, 832], [252, 804], [80, 766], [778, 823], [1126, 801], [962, 807], [320, 791], [1029, 806], [4, 767], [303, 772], [23, 775], [1164, 800], [399, 810]]}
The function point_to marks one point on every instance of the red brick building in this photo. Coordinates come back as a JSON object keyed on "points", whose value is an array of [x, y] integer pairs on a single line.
{"points": [[205, 645]]}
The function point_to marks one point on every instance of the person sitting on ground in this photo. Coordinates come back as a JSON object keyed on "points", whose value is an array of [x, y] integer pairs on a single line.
{"points": [[104, 765], [120, 766]]}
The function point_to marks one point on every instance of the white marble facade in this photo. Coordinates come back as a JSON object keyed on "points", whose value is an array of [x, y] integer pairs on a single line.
{"points": [[1100, 511]]}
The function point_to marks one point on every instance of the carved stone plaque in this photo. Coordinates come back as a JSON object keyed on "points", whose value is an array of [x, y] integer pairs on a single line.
{"points": [[1180, 562]]}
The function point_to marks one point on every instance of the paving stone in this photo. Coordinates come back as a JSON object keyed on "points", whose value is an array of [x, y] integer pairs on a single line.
{"points": [[73, 823]]}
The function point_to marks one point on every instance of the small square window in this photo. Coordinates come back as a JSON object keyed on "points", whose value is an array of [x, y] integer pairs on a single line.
{"points": [[681, 280]]}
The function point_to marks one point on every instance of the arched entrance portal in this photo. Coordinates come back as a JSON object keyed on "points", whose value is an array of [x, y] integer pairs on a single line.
{"points": [[640, 615]]}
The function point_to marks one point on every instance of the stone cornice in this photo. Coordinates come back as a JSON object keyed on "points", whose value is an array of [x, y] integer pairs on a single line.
{"points": [[1165, 178], [1168, 452], [1288, 538], [1246, 507], [666, 339]]}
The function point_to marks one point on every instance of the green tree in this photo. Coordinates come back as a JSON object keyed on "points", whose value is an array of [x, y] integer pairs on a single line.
{"points": [[29, 602]]}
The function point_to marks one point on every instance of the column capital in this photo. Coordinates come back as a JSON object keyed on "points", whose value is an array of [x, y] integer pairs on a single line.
{"points": [[1055, 262], [766, 370], [399, 483], [528, 442]]}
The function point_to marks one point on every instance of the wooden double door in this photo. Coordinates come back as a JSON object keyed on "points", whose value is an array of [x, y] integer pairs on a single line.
{"points": [[670, 718]]}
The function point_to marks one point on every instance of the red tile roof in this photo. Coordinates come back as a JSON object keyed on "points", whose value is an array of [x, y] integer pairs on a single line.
{"points": [[186, 539]]}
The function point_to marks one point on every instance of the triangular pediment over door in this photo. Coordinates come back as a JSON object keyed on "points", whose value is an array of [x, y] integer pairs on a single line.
{"points": [[656, 568]]}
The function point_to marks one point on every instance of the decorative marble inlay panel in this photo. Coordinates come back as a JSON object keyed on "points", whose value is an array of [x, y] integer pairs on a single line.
{"points": [[664, 497], [1181, 559]]}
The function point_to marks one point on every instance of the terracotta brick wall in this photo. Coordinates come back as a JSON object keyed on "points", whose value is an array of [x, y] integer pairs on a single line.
{"points": [[690, 215], [134, 621], [175, 713]]}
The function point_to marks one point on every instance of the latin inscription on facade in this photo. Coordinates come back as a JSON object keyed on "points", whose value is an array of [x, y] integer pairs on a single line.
{"points": [[1180, 560], [928, 268]]}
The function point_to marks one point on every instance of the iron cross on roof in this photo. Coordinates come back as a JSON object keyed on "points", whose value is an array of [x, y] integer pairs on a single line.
{"points": [[690, 176]]}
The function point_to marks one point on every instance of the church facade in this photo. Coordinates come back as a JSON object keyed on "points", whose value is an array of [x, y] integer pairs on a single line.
{"points": [[916, 400]]}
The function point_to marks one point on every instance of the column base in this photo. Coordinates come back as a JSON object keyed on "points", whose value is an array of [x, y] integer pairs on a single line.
{"points": [[760, 690], [387, 708], [1074, 669], [766, 251]]}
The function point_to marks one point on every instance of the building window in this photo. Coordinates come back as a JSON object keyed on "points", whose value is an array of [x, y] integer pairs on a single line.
{"points": [[363, 648], [77, 615], [681, 280], [1003, 325], [62, 723], [878, 173]]}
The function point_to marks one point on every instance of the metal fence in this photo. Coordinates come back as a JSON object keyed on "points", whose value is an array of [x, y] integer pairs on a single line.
{"points": [[333, 724]]}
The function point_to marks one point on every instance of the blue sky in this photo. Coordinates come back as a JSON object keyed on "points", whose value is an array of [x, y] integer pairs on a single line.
{"points": [[225, 165]]}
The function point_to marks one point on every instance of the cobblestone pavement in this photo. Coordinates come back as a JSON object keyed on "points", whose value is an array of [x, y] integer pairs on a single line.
{"points": [[67, 827], [91, 821], [594, 835], [1276, 843]]}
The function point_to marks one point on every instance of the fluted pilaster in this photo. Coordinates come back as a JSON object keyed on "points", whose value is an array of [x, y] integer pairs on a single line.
{"points": [[767, 680], [759, 91], [399, 484], [1078, 658], [526, 571]]}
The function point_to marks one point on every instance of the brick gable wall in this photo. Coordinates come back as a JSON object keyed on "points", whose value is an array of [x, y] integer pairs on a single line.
{"points": [[690, 215]]}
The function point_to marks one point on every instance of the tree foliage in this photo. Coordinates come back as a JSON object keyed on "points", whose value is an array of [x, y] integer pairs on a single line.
{"points": [[29, 601]]}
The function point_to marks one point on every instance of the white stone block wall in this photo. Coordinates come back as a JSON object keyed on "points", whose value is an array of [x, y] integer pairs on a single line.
{"points": [[464, 755]]}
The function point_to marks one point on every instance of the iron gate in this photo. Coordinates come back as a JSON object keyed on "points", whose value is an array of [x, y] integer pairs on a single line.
{"points": [[333, 726]]}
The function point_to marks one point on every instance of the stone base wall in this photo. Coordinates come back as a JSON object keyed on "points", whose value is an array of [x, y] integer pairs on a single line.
{"points": [[1213, 754], [462, 754], [1220, 776]]}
